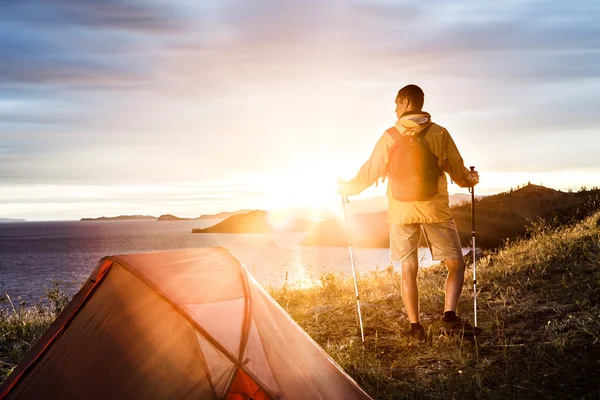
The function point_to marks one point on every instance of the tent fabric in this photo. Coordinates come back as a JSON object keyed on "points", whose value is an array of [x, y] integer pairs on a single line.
{"points": [[185, 324], [56, 327], [112, 349]]}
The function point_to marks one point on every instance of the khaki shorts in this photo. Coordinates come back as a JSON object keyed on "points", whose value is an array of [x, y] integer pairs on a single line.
{"points": [[442, 238]]}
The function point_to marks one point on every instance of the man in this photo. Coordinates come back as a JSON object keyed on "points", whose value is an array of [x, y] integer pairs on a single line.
{"points": [[432, 215]]}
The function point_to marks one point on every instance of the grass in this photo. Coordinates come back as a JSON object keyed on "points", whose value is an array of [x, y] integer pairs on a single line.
{"points": [[538, 303], [21, 325]]}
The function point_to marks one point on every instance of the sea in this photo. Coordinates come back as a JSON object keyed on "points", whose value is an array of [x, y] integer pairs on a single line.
{"points": [[35, 256]]}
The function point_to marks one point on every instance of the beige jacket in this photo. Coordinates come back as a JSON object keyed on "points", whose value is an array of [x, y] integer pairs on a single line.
{"points": [[437, 209]]}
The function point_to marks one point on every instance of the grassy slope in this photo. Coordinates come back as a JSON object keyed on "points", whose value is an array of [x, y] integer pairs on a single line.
{"points": [[538, 302]]}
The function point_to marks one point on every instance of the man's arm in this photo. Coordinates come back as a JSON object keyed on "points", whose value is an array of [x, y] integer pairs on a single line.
{"points": [[455, 166], [372, 170]]}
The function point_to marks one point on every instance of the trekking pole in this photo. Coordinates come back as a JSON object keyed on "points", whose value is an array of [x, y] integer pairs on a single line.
{"points": [[472, 190], [362, 334]]}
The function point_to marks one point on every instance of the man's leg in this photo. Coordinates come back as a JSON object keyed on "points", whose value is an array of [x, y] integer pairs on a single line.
{"points": [[404, 240], [451, 323], [445, 245], [454, 282], [410, 291]]}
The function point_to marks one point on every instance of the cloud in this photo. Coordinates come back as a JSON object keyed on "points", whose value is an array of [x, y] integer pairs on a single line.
{"points": [[107, 88], [81, 43], [137, 16]]}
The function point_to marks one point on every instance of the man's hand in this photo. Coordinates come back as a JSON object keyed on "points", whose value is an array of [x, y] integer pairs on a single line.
{"points": [[474, 178], [344, 188]]}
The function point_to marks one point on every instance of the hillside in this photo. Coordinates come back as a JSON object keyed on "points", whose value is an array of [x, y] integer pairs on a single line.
{"points": [[498, 218], [258, 221], [538, 304], [505, 216]]}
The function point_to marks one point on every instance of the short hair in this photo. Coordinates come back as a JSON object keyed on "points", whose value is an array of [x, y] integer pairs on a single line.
{"points": [[414, 94]]}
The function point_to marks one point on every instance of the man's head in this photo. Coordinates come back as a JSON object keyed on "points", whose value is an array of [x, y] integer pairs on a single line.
{"points": [[409, 98]]}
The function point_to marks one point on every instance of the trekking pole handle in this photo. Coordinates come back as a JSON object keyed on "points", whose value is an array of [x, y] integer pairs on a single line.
{"points": [[471, 188], [472, 191]]}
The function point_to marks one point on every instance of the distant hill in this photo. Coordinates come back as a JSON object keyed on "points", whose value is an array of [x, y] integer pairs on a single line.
{"points": [[367, 230], [224, 215], [257, 221], [361, 206], [460, 198], [119, 218], [169, 217], [498, 217], [379, 203], [12, 220], [506, 215], [454, 200]]}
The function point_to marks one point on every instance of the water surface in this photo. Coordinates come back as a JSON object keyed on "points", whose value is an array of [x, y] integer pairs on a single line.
{"points": [[32, 254]]}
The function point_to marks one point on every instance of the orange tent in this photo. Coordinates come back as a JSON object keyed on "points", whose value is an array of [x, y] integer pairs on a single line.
{"points": [[184, 324]]}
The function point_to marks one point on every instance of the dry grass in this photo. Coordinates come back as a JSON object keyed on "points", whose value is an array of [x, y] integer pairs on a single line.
{"points": [[22, 325], [538, 304]]}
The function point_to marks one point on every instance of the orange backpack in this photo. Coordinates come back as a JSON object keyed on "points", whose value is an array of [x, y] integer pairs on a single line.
{"points": [[412, 169]]}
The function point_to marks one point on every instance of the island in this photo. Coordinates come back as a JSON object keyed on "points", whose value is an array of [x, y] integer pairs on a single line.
{"points": [[170, 217], [258, 221], [120, 218]]}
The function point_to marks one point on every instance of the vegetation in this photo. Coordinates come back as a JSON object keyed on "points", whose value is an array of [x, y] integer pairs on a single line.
{"points": [[538, 304], [22, 325]]}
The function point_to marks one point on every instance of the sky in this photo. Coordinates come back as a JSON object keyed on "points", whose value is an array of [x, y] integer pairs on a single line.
{"points": [[114, 107]]}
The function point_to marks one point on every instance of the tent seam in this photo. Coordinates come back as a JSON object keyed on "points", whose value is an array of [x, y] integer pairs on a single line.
{"points": [[246, 326], [179, 309]]}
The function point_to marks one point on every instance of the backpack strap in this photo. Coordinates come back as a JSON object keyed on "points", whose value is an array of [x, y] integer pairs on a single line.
{"points": [[394, 133], [424, 132], [421, 135]]}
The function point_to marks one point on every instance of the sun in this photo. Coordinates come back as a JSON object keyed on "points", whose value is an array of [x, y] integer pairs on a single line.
{"points": [[312, 189]]}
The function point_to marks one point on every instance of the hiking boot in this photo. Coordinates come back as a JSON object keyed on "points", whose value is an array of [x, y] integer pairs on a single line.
{"points": [[418, 334], [457, 326]]}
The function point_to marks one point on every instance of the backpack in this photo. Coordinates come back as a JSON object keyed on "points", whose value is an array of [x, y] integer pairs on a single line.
{"points": [[412, 169]]}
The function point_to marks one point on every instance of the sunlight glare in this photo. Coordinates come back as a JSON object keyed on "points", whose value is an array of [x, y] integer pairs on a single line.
{"points": [[313, 190]]}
